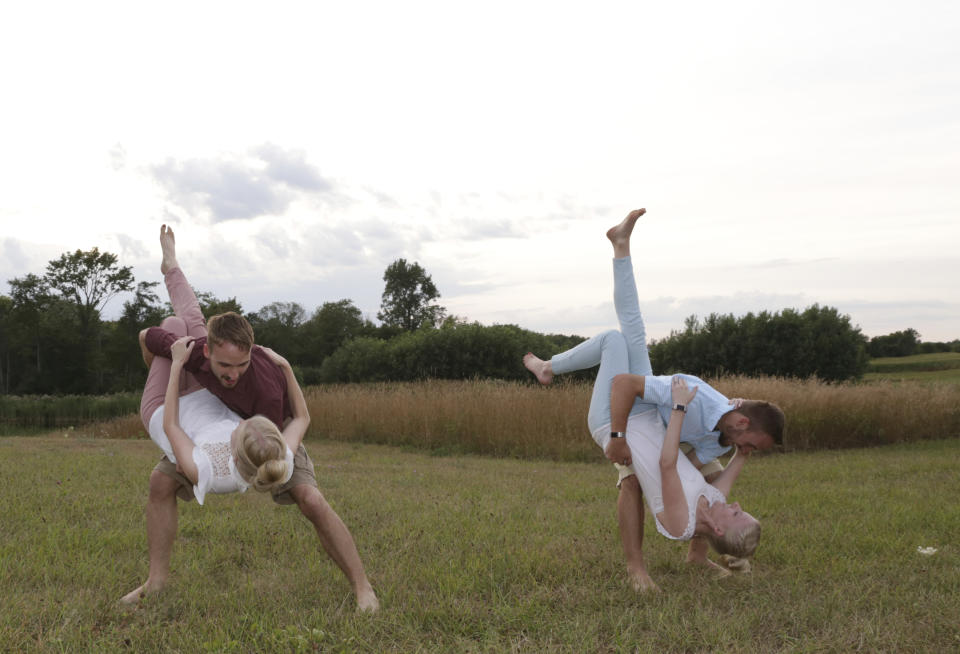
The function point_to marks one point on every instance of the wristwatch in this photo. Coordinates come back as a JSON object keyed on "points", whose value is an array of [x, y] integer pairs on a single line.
{"points": [[618, 434], [680, 407]]}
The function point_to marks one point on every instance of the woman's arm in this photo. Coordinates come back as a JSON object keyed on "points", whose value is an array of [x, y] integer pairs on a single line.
{"points": [[724, 481], [296, 427], [675, 513], [179, 441]]}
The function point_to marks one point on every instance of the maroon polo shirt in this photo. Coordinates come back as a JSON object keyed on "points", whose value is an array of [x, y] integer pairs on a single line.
{"points": [[261, 389]]}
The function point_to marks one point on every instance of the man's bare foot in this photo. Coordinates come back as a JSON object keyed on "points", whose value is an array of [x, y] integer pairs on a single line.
{"points": [[642, 583], [541, 369], [367, 602], [619, 235], [169, 247], [134, 596]]}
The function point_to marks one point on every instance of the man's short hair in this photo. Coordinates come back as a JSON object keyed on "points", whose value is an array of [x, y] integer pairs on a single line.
{"points": [[766, 417], [230, 327]]}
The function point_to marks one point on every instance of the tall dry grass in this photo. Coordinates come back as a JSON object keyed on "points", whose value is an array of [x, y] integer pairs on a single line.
{"points": [[524, 420], [823, 416], [514, 419], [489, 417]]}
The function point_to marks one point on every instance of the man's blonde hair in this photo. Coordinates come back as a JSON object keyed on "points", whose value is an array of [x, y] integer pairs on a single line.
{"points": [[230, 327], [261, 454]]}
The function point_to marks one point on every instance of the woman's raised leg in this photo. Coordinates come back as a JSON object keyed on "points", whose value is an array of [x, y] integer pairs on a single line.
{"points": [[625, 298]]}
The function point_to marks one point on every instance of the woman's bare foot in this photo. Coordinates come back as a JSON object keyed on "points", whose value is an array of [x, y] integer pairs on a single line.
{"points": [[619, 235], [169, 247], [541, 369]]}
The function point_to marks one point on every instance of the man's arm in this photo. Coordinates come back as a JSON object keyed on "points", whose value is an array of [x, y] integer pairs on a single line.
{"points": [[158, 341], [294, 428], [623, 391]]}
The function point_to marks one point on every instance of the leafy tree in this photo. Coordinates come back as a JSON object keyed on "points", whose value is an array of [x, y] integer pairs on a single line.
{"points": [[89, 280], [30, 296], [816, 342], [123, 348], [211, 305], [897, 344], [408, 296], [6, 326], [276, 326], [330, 326]]}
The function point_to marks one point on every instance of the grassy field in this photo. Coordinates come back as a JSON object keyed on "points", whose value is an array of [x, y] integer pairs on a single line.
{"points": [[935, 367], [473, 554]]}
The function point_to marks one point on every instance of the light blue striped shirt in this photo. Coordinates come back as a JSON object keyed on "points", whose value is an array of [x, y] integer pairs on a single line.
{"points": [[703, 413]]}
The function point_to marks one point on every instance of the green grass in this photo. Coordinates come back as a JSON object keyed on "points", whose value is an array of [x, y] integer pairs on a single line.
{"points": [[948, 375], [936, 366], [472, 554]]}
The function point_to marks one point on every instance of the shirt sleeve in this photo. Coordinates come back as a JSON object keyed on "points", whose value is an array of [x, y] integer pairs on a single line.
{"points": [[657, 391], [159, 340], [204, 474]]}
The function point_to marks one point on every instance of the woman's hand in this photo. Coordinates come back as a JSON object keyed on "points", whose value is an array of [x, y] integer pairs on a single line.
{"points": [[276, 358], [181, 348], [679, 391]]}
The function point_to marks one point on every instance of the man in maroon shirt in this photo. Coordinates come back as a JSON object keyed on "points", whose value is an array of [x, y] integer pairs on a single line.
{"points": [[244, 377]]}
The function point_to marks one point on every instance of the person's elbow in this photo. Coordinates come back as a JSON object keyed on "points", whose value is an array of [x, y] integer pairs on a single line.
{"points": [[623, 384]]}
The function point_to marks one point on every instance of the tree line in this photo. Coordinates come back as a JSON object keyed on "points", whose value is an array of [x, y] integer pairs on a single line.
{"points": [[54, 340]]}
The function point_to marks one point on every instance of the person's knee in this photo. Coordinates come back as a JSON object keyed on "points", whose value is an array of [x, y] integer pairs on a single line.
{"points": [[611, 333], [630, 484], [163, 487], [174, 325], [310, 502]]}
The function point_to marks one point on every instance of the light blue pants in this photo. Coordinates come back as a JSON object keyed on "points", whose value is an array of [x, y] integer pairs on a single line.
{"points": [[617, 352]]}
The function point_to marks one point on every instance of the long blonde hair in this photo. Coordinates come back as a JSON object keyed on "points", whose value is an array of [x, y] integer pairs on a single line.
{"points": [[261, 454]]}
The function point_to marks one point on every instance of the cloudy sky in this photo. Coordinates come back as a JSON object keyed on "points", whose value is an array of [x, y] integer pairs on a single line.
{"points": [[788, 153]]}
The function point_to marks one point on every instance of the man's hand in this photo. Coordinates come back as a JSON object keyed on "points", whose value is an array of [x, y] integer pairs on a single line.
{"points": [[618, 451], [181, 348]]}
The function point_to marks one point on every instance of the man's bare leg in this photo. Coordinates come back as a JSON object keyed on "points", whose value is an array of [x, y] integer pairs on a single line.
{"points": [[630, 514], [541, 369], [161, 532], [337, 542], [619, 235]]}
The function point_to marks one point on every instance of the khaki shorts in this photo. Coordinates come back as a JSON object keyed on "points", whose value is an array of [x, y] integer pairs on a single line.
{"points": [[708, 469], [303, 473]]}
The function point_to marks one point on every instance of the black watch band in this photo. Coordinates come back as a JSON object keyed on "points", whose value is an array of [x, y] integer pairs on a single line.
{"points": [[618, 434]]}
